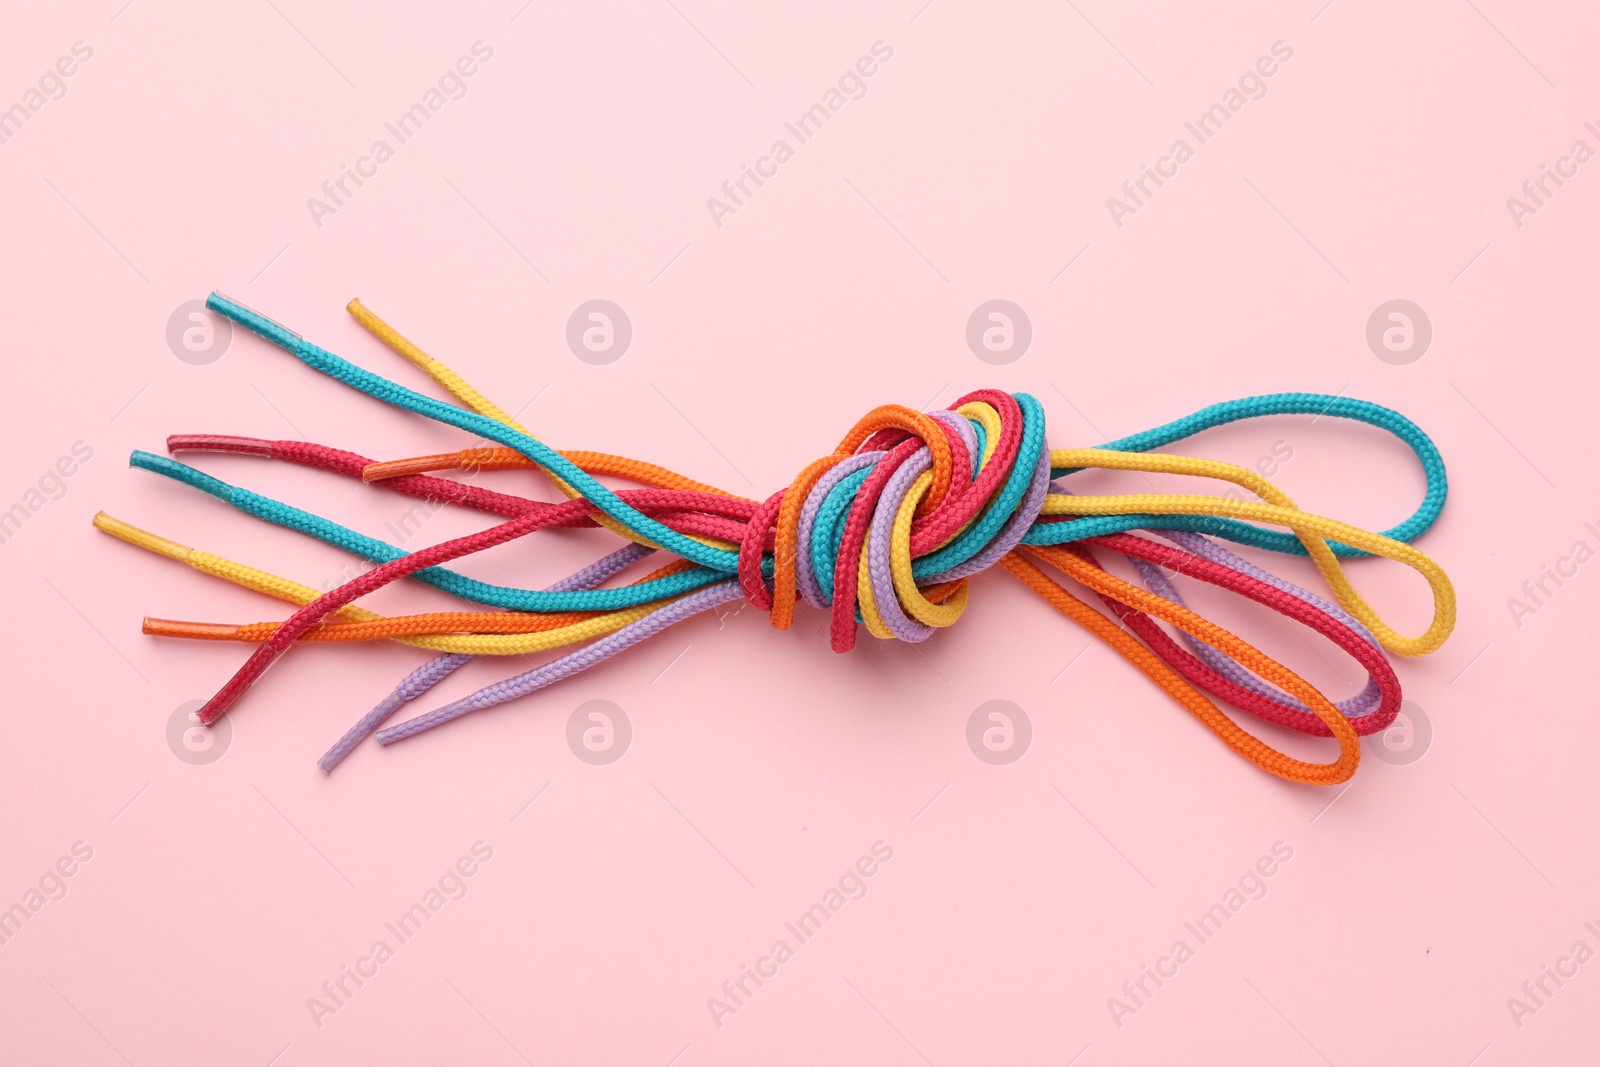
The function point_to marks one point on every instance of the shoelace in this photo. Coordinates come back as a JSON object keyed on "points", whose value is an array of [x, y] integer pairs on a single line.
{"points": [[883, 533]]}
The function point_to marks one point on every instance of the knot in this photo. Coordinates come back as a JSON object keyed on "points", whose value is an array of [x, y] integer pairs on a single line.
{"points": [[886, 530], [883, 532]]}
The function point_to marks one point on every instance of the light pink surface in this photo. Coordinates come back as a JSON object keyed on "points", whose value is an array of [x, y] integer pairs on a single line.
{"points": [[219, 898]]}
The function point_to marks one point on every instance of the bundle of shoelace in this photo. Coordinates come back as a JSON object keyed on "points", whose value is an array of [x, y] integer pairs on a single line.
{"points": [[883, 533]]}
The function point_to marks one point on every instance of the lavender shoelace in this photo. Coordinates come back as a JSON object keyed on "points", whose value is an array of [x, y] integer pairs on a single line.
{"points": [[1363, 703], [805, 575], [439, 668], [412, 686], [572, 663], [881, 578]]}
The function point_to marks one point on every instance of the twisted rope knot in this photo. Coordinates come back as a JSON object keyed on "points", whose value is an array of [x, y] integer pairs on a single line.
{"points": [[883, 533], [886, 530]]}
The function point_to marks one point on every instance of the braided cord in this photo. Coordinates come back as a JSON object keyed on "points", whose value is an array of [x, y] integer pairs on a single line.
{"points": [[1320, 406], [373, 550], [502, 632], [1313, 531], [883, 533], [475, 401], [1234, 736], [547, 458]]}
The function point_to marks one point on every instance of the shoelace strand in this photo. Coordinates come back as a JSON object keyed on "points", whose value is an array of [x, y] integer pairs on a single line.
{"points": [[888, 542]]}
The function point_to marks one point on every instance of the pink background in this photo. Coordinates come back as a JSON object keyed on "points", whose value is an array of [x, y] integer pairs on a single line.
{"points": [[219, 898]]}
